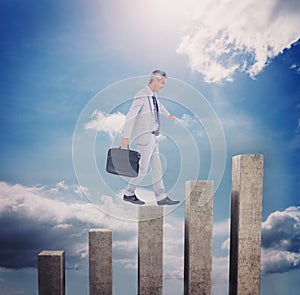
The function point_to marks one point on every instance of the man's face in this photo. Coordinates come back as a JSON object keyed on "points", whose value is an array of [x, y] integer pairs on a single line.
{"points": [[160, 84]]}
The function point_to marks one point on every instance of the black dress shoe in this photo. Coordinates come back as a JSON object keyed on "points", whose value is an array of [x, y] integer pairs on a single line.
{"points": [[167, 201], [133, 199]]}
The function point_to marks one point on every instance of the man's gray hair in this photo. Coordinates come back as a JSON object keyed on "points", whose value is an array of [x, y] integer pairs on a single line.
{"points": [[157, 74]]}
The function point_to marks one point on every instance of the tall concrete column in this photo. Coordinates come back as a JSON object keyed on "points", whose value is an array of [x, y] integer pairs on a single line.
{"points": [[100, 261], [198, 238], [51, 273], [150, 250], [245, 231]]}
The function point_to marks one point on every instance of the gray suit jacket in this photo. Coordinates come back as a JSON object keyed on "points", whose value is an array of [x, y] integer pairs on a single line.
{"points": [[139, 121]]}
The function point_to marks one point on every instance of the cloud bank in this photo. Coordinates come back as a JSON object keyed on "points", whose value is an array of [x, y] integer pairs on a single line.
{"points": [[57, 218], [223, 37], [281, 241]]}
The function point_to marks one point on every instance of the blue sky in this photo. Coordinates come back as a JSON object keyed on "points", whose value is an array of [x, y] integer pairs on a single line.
{"points": [[234, 71]]}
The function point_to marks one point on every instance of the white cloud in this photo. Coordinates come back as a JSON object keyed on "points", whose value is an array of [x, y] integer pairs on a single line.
{"points": [[277, 261], [282, 230], [45, 204], [62, 185], [293, 66], [222, 228], [281, 241], [225, 36], [111, 124]]}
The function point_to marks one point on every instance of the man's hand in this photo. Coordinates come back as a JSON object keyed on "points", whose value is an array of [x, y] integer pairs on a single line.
{"points": [[125, 143], [172, 117]]}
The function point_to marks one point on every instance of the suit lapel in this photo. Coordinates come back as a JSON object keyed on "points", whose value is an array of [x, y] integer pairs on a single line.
{"points": [[149, 101]]}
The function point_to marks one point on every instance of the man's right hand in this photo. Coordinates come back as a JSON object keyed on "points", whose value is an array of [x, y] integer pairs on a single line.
{"points": [[124, 143]]}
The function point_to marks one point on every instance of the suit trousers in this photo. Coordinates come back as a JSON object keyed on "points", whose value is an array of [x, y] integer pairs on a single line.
{"points": [[149, 159]]}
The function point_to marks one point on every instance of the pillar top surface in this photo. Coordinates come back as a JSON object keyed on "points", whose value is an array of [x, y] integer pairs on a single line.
{"points": [[150, 212], [248, 156], [199, 182], [100, 230], [51, 253]]}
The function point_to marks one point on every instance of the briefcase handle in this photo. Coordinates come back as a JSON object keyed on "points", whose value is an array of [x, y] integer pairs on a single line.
{"points": [[124, 148]]}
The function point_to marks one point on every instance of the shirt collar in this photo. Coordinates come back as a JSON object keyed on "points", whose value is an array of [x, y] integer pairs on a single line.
{"points": [[149, 91]]}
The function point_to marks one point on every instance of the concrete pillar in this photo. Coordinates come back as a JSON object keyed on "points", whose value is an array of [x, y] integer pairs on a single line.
{"points": [[150, 250], [100, 261], [245, 231], [51, 273], [198, 238]]}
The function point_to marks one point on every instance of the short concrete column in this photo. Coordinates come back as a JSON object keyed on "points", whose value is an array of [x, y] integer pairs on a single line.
{"points": [[198, 238], [100, 261], [245, 231], [51, 273], [150, 250]]}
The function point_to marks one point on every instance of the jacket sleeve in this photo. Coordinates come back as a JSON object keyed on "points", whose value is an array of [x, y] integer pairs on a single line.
{"points": [[163, 109], [131, 116]]}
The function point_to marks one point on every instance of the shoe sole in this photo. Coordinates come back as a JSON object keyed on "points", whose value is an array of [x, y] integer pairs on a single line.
{"points": [[135, 203], [167, 204]]}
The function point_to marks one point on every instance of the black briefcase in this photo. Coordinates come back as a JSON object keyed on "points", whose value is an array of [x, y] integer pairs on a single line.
{"points": [[123, 162]]}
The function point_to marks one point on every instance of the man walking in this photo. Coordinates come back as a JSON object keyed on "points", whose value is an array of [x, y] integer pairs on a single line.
{"points": [[142, 125]]}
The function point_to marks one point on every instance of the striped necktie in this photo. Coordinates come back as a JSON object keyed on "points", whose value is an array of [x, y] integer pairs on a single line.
{"points": [[156, 115]]}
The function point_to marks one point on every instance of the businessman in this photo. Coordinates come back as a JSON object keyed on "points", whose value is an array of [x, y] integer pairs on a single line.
{"points": [[142, 126]]}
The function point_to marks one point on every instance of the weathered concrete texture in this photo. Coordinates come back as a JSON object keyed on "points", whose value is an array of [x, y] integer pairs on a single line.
{"points": [[51, 273], [245, 232], [100, 261], [198, 238], [150, 250]]}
